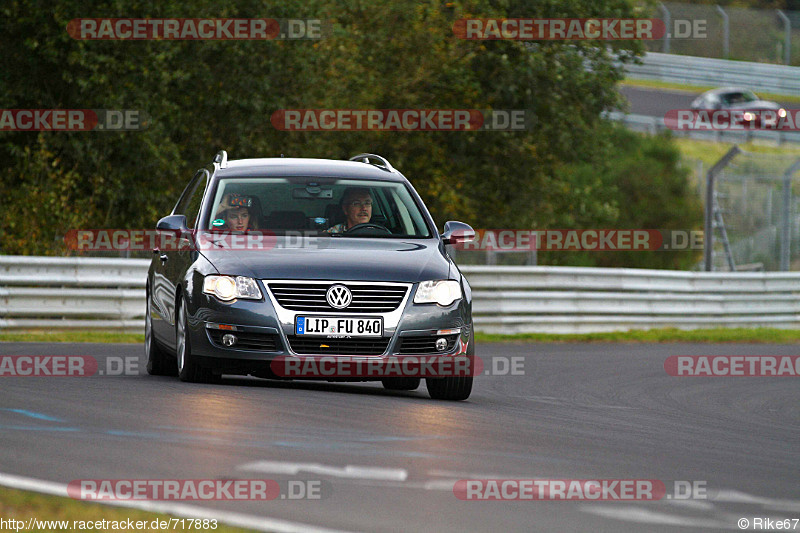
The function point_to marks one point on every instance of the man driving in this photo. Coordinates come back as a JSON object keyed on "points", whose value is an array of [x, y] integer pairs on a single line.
{"points": [[357, 208]]}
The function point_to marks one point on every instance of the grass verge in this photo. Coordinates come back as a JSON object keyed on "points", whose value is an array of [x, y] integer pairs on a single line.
{"points": [[716, 335], [709, 152], [72, 336], [721, 335], [697, 89], [24, 505]]}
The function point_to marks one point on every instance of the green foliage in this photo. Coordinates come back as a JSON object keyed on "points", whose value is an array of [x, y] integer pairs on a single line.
{"points": [[206, 95], [640, 185]]}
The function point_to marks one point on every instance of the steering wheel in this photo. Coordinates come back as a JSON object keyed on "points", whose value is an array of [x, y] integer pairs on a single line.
{"points": [[369, 225]]}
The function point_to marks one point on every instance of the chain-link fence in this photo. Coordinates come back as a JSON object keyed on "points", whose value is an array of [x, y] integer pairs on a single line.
{"points": [[755, 219], [745, 34]]}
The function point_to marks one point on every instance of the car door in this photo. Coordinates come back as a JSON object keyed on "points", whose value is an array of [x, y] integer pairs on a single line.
{"points": [[174, 260]]}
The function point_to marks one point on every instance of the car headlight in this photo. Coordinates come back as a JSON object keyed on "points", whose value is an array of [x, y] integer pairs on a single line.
{"points": [[227, 288], [443, 292], [781, 112], [748, 116]]}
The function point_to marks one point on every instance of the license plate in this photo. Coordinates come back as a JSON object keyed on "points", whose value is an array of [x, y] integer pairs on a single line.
{"points": [[338, 326]]}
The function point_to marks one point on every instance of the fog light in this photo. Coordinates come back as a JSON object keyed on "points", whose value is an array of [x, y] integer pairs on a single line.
{"points": [[441, 344], [228, 339]]}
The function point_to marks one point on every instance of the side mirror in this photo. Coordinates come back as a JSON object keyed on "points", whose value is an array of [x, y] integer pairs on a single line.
{"points": [[457, 233], [172, 223]]}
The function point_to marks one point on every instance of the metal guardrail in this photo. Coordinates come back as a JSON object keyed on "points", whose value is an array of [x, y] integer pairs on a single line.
{"points": [[704, 71], [653, 125], [103, 294], [72, 293], [583, 300]]}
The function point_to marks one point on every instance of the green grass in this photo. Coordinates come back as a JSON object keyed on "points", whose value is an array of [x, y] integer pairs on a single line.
{"points": [[760, 335], [72, 336], [654, 84], [709, 151], [716, 335], [24, 505]]}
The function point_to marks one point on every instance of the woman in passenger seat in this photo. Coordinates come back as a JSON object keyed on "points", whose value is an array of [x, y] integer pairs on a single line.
{"points": [[236, 212]]}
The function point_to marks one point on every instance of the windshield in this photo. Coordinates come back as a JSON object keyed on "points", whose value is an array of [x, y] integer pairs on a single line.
{"points": [[738, 97], [326, 206]]}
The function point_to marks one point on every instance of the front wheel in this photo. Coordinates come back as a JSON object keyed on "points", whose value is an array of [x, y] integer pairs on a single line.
{"points": [[159, 363], [450, 388], [188, 368], [454, 388]]}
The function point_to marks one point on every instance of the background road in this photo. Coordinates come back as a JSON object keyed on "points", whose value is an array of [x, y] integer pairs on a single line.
{"points": [[580, 411], [656, 102]]}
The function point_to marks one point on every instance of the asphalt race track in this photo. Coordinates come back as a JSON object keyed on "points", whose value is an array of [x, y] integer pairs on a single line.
{"points": [[656, 102], [580, 411]]}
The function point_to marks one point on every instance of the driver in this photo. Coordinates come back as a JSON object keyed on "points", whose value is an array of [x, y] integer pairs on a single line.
{"points": [[357, 208]]}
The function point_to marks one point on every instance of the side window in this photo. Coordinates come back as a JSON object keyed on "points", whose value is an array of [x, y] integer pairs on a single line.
{"points": [[192, 197]]}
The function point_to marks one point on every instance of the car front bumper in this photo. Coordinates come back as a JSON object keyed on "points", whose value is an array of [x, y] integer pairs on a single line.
{"points": [[264, 331]]}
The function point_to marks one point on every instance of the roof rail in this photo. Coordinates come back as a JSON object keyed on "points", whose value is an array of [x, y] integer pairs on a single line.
{"points": [[222, 159], [364, 158]]}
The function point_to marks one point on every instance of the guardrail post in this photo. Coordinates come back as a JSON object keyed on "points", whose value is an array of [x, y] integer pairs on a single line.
{"points": [[787, 43], [667, 22], [708, 238], [786, 228], [726, 33]]}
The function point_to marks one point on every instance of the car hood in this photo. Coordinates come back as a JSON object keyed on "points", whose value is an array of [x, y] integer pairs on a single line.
{"points": [[334, 258]]}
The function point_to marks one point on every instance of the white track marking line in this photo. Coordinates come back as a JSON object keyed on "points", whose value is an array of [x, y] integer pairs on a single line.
{"points": [[178, 509], [735, 496], [349, 471], [646, 516], [472, 475]]}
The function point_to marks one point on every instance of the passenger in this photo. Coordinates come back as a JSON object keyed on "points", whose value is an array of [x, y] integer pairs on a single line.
{"points": [[235, 213]]}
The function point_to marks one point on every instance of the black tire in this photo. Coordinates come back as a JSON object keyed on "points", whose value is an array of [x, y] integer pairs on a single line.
{"points": [[159, 362], [454, 388], [188, 368], [405, 383]]}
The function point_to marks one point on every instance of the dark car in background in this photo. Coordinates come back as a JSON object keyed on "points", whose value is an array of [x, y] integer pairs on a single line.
{"points": [[387, 281]]}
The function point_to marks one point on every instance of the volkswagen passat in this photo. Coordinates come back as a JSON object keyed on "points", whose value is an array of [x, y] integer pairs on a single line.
{"points": [[295, 259]]}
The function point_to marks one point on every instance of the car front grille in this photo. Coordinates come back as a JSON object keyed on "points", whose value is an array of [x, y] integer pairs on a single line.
{"points": [[425, 345], [262, 342], [324, 346], [310, 297]]}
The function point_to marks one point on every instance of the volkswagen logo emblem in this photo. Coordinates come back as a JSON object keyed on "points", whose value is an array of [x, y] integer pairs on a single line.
{"points": [[339, 296]]}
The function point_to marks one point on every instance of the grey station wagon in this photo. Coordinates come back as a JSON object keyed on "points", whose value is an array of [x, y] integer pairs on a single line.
{"points": [[291, 259]]}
